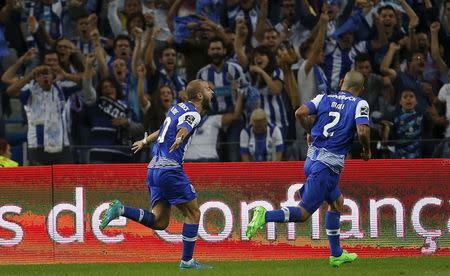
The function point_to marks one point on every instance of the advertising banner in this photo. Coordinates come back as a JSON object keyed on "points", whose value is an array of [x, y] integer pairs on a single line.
{"points": [[52, 214]]}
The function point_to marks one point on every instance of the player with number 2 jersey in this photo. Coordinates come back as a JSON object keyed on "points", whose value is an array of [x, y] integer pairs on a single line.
{"points": [[331, 121]]}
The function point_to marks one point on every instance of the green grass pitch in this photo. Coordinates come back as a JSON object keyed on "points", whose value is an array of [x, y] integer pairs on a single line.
{"points": [[368, 266]]}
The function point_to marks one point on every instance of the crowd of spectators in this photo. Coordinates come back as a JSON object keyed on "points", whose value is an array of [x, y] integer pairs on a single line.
{"points": [[93, 75]]}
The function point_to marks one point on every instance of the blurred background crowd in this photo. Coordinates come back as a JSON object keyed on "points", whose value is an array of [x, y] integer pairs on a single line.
{"points": [[82, 79]]}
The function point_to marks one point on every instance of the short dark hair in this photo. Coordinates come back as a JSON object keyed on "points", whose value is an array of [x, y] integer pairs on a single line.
{"points": [[48, 52], [362, 57], [82, 14], [272, 29], [387, 7], [167, 47], [264, 50], [121, 37], [216, 39], [407, 89]]}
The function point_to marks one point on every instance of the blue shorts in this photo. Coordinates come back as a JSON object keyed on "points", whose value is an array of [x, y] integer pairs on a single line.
{"points": [[321, 185], [170, 185]]}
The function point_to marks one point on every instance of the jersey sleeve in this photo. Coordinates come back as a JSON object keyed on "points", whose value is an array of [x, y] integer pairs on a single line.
{"points": [[313, 105], [362, 113], [444, 93], [188, 120], [25, 93], [278, 140], [243, 142]]}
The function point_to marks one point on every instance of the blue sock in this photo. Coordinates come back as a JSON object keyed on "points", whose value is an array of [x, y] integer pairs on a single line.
{"points": [[144, 217], [332, 224], [275, 216], [189, 236], [285, 214]]}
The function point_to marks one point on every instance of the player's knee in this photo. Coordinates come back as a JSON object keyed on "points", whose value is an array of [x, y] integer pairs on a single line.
{"points": [[338, 205], [193, 215], [304, 218], [305, 214]]}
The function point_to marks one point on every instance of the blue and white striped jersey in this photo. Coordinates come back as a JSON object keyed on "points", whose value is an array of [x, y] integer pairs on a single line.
{"points": [[223, 100], [262, 147], [338, 62], [41, 105], [182, 115], [52, 15], [272, 104], [87, 47]]}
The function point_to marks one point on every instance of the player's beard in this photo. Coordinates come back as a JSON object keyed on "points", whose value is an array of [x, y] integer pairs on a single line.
{"points": [[206, 105]]}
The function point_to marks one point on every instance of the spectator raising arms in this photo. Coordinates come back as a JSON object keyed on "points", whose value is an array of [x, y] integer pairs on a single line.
{"points": [[268, 79], [44, 99], [277, 55]]}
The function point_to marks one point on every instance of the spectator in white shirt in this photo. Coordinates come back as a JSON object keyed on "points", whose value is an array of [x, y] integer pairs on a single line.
{"points": [[203, 144]]}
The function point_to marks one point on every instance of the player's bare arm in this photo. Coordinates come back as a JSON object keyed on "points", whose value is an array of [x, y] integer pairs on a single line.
{"points": [[306, 120], [364, 139], [138, 145], [181, 134]]}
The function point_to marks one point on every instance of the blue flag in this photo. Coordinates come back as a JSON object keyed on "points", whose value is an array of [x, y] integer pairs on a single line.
{"points": [[181, 30], [210, 9]]}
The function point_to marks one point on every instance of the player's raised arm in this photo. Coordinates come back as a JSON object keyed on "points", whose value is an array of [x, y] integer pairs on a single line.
{"points": [[138, 145], [181, 134], [186, 124]]}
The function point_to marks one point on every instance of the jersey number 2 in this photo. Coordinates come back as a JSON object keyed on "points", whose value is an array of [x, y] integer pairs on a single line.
{"points": [[165, 127], [336, 118]]}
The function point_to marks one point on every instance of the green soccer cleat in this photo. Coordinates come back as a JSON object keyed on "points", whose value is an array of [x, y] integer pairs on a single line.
{"points": [[258, 221], [193, 264], [344, 258], [113, 212]]}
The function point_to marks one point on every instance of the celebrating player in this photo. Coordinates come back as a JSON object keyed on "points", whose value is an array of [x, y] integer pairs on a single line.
{"points": [[166, 179], [338, 116]]}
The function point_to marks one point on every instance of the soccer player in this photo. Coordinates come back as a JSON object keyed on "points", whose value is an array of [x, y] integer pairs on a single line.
{"points": [[338, 116], [166, 179]]}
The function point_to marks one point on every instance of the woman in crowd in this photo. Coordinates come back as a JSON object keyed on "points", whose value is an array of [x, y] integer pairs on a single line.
{"points": [[267, 77]]}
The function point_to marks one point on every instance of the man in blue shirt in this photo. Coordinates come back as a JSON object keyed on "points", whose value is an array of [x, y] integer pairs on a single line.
{"points": [[166, 179], [337, 118]]}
